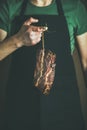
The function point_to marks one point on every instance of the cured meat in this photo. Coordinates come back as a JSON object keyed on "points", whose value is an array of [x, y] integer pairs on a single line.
{"points": [[45, 70]]}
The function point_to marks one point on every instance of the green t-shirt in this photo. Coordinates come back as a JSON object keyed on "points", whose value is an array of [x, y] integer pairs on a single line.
{"points": [[74, 11]]}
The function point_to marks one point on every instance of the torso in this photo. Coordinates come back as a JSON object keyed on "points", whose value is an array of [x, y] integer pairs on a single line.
{"points": [[52, 10], [26, 105]]}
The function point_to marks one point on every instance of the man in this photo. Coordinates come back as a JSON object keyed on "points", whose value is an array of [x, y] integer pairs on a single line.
{"points": [[26, 107]]}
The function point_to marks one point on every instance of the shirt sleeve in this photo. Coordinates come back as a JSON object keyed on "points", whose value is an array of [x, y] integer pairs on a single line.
{"points": [[81, 18], [4, 16], [8, 10]]}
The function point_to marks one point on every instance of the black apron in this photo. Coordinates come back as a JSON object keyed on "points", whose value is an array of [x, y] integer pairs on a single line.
{"points": [[27, 107]]}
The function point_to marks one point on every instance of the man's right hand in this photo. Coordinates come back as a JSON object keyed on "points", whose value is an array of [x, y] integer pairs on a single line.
{"points": [[29, 34]]}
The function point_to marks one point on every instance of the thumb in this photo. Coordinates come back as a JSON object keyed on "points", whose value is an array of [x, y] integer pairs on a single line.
{"points": [[30, 21]]}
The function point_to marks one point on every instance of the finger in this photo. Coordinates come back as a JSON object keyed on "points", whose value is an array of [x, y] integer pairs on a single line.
{"points": [[35, 29], [35, 41], [35, 35], [30, 21], [39, 28]]}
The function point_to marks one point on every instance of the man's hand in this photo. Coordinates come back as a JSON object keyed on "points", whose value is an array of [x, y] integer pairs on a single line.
{"points": [[29, 35]]}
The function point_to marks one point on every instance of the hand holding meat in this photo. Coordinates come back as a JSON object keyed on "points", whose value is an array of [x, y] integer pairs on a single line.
{"points": [[29, 34]]}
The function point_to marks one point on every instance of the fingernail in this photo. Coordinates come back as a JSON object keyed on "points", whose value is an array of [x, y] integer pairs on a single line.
{"points": [[45, 28]]}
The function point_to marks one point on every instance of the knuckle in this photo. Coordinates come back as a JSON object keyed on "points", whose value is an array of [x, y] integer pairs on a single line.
{"points": [[33, 42]]}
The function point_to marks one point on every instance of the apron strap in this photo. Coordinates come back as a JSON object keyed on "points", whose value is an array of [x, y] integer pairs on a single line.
{"points": [[24, 4], [59, 7]]}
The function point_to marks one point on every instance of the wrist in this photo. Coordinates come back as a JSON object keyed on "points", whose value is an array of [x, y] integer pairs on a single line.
{"points": [[18, 41]]}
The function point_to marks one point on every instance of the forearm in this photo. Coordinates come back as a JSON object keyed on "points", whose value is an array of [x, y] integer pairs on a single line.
{"points": [[84, 67], [82, 44], [8, 46]]}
